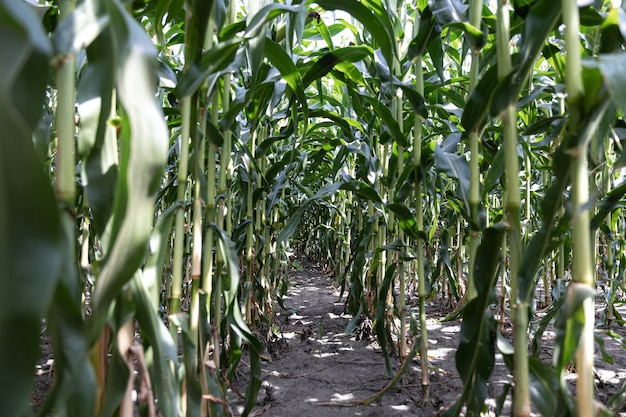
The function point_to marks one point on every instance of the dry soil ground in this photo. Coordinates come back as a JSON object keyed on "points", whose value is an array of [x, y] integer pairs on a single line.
{"points": [[317, 370]]}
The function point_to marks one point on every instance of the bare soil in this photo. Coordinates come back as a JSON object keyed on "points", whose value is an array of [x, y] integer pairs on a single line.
{"points": [[318, 370]]}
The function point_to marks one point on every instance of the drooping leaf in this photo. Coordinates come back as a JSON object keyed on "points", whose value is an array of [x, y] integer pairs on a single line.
{"points": [[475, 356], [80, 28], [379, 326], [239, 328], [329, 60], [607, 204], [212, 61], [455, 166], [428, 31], [30, 247], [160, 346], [613, 68], [143, 150], [477, 104], [97, 138], [452, 13], [371, 20], [282, 61], [541, 20]]}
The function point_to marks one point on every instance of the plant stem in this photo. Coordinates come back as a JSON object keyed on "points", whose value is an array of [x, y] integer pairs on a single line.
{"points": [[474, 191], [519, 306], [582, 263], [179, 227], [421, 275], [65, 165]]}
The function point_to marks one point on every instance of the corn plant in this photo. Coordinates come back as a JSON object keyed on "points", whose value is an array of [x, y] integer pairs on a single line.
{"points": [[180, 150]]}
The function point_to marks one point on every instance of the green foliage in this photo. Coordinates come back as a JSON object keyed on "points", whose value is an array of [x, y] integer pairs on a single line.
{"points": [[342, 140], [475, 357], [31, 248]]}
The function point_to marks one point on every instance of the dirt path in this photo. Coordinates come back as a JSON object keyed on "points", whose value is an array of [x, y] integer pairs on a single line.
{"points": [[317, 370]]}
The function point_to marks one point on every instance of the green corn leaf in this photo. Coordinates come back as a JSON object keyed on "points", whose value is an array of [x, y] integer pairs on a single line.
{"points": [[379, 325], [282, 61], [190, 353], [256, 36], [257, 24], [237, 324], [373, 19], [475, 356], [415, 100], [30, 247], [448, 11], [76, 383], [456, 167], [325, 32], [541, 20], [451, 13], [197, 21], [160, 347], [329, 60], [97, 138], [544, 389], [363, 190], [613, 69], [390, 124], [215, 60], [80, 28], [117, 379], [428, 31], [162, 9], [495, 173], [570, 324], [607, 204], [218, 13], [143, 149], [407, 221], [477, 104]]}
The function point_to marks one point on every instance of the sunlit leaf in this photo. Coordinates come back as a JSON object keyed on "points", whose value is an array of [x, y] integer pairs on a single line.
{"points": [[143, 149], [381, 32]]}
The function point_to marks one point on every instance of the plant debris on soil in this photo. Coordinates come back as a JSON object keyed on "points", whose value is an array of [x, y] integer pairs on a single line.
{"points": [[314, 368]]}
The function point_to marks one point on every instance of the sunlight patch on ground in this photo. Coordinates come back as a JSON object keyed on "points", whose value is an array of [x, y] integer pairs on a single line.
{"points": [[400, 407], [451, 329], [327, 341], [608, 376], [325, 354], [441, 353], [432, 324], [342, 397]]}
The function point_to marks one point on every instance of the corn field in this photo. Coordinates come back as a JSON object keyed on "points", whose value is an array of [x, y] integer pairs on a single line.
{"points": [[164, 162]]}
